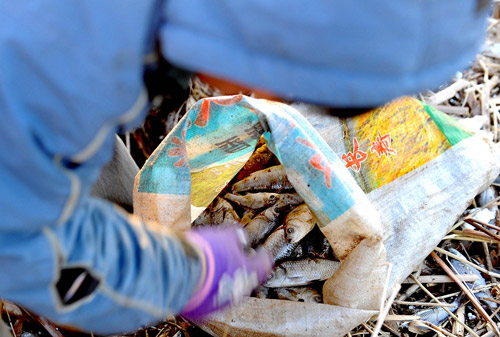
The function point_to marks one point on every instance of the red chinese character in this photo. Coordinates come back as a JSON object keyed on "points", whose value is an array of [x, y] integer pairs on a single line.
{"points": [[353, 160], [204, 114], [318, 162], [382, 145], [178, 150]]}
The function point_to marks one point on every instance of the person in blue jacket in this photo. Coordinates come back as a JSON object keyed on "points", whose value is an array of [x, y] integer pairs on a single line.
{"points": [[71, 75]]}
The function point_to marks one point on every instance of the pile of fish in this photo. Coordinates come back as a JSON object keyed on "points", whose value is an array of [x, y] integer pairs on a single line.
{"points": [[262, 199]]}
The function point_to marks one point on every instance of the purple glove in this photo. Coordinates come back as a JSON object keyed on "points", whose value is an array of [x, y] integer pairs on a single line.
{"points": [[231, 271]]}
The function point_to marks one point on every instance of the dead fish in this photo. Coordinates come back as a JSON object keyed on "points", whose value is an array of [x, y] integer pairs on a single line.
{"points": [[301, 272], [290, 198], [299, 294], [247, 216], [297, 253], [462, 268], [218, 212], [278, 246], [259, 160], [262, 292], [435, 316], [223, 211], [298, 223], [486, 215], [270, 179], [204, 219], [487, 196], [261, 199], [253, 200], [266, 221]]}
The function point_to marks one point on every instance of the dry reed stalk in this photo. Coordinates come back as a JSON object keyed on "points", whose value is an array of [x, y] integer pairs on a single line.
{"points": [[442, 251], [452, 315], [466, 290], [425, 304]]}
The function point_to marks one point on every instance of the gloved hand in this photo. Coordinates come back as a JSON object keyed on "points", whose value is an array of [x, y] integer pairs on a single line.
{"points": [[231, 271]]}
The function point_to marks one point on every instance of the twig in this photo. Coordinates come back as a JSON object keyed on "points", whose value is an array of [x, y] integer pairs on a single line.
{"points": [[391, 330], [8, 317], [472, 332], [476, 224], [385, 311], [48, 326], [457, 328], [442, 251], [439, 329], [410, 291], [367, 327], [488, 205], [447, 93], [466, 290], [425, 304], [489, 334], [483, 223], [470, 235], [489, 264], [475, 290], [442, 279]]}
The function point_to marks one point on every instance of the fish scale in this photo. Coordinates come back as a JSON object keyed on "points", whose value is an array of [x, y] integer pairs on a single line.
{"points": [[461, 268], [267, 220], [272, 178], [278, 246], [301, 272], [299, 294]]}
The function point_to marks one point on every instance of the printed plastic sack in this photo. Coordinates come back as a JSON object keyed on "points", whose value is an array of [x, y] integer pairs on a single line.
{"points": [[217, 136], [421, 171]]}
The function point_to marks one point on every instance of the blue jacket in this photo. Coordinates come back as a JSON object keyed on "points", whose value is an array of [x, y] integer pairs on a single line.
{"points": [[338, 53], [71, 76]]}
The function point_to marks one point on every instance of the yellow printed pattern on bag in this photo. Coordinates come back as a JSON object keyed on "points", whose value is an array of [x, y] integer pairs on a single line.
{"points": [[390, 141]]}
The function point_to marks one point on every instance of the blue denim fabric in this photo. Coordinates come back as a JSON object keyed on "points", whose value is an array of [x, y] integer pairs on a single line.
{"points": [[70, 77], [338, 53]]}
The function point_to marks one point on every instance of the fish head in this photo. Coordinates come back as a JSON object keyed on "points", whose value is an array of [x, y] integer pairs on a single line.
{"points": [[270, 197], [275, 278], [310, 297], [455, 252], [294, 232], [317, 298]]}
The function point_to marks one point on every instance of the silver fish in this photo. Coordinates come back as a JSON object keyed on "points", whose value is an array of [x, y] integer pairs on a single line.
{"points": [[218, 212], [462, 268], [298, 253], [260, 200], [253, 200], [266, 221], [247, 216], [435, 316], [301, 272], [223, 211], [278, 246], [487, 196], [262, 292], [299, 294], [298, 223], [270, 179]]}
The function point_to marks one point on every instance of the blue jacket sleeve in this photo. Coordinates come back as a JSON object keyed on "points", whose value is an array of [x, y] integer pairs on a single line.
{"points": [[71, 76]]}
